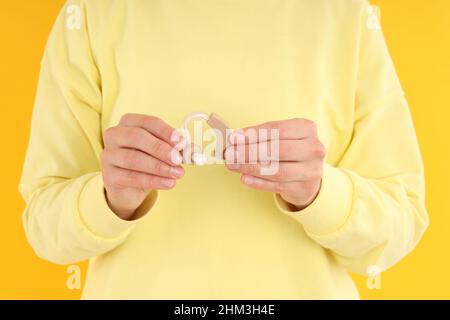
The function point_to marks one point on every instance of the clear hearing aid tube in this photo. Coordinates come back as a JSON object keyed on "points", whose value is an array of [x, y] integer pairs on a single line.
{"points": [[194, 152]]}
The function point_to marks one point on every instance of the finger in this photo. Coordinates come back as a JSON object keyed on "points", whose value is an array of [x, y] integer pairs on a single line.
{"points": [[140, 139], [263, 184], [292, 129], [139, 161], [284, 150], [119, 177], [153, 125], [297, 188], [281, 172]]}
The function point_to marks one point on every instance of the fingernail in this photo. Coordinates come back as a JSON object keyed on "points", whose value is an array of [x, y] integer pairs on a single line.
{"points": [[182, 144], [176, 158], [232, 156], [248, 180], [176, 172], [229, 154], [179, 141], [237, 137], [169, 183], [239, 157], [233, 166], [176, 137]]}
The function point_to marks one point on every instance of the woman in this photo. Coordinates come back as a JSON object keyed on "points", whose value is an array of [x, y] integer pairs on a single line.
{"points": [[118, 77]]}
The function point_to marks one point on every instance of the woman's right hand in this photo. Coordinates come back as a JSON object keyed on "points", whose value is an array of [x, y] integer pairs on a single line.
{"points": [[138, 157]]}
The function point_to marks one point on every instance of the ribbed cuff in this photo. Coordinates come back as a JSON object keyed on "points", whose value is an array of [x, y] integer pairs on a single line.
{"points": [[99, 218], [331, 208]]}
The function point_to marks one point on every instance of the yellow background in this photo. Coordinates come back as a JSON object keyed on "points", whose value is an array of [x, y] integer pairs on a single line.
{"points": [[418, 34]]}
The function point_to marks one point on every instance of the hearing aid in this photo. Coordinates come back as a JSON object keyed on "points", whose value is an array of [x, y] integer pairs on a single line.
{"points": [[193, 153]]}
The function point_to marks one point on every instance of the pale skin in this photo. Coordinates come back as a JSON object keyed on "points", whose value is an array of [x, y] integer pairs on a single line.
{"points": [[301, 158], [140, 156]]}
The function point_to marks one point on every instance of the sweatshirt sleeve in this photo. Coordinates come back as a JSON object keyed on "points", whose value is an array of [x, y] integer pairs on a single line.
{"points": [[370, 211], [67, 218]]}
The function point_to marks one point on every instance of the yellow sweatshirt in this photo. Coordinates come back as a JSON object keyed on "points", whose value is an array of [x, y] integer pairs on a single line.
{"points": [[249, 61]]}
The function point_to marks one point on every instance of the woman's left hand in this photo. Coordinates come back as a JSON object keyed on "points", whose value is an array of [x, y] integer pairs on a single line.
{"points": [[296, 159]]}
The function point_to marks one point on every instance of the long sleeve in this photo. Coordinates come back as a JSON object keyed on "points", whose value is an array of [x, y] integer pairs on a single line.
{"points": [[370, 210], [67, 218]]}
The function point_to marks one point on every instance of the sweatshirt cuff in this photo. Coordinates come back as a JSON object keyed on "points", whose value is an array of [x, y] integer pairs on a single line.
{"points": [[99, 218], [331, 208]]}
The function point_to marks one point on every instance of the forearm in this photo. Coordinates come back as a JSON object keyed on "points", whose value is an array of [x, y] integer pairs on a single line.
{"points": [[68, 220], [365, 221]]}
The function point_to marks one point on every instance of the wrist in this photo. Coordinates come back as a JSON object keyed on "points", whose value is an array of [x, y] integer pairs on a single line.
{"points": [[296, 203], [126, 213]]}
